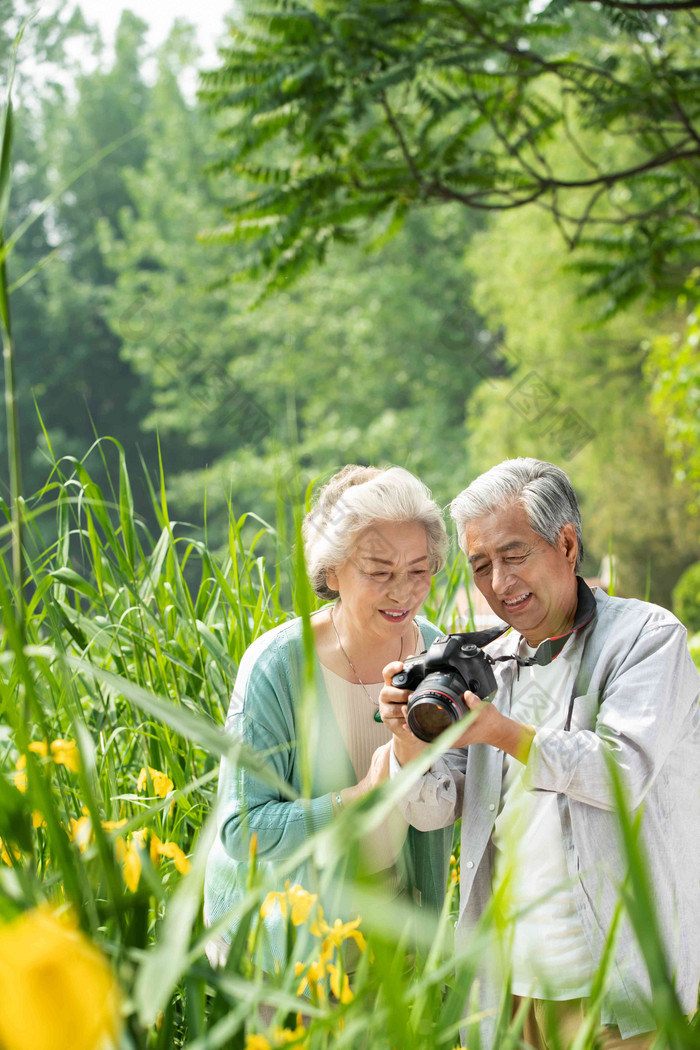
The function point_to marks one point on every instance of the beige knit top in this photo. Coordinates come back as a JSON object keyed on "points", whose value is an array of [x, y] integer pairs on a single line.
{"points": [[354, 712]]}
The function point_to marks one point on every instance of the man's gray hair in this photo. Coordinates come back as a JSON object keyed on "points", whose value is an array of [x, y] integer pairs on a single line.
{"points": [[541, 488], [353, 500]]}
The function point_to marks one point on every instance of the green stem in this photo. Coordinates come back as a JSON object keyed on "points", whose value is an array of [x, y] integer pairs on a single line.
{"points": [[13, 448]]}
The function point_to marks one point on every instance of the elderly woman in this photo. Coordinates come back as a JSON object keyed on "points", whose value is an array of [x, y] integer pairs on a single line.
{"points": [[372, 543]]}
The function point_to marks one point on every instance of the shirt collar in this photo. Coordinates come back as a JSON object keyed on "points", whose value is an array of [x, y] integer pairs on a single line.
{"points": [[550, 648]]}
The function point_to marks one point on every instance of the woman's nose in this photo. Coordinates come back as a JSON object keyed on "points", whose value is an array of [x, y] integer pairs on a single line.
{"points": [[400, 587]]}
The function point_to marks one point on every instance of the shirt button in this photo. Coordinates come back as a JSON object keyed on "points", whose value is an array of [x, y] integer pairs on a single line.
{"points": [[470, 863], [492, 807]]}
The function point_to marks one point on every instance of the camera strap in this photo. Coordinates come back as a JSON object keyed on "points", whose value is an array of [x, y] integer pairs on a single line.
{"points": [[550, 647]]}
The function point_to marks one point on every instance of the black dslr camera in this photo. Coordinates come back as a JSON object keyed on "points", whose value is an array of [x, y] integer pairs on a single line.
{"points": [[439, 678]]}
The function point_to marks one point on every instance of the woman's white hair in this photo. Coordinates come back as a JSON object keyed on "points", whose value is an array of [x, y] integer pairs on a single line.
{"points": [[541, 488], [356, 498]]}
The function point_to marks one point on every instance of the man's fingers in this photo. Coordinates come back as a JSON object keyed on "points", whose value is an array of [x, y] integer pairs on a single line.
{"points": [[473, 702]]}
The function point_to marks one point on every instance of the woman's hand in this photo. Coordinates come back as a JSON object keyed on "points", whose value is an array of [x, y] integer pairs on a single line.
{"points": [[393, 707], [377, 772]]}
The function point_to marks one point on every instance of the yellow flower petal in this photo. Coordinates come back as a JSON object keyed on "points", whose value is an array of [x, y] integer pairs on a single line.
{"points": [[132, 867], [343, 993], [80, 832], [257, 1042], [313, 978], [113, 825], [283, 1036], [65, 753], [21, 780], [162, 784], [172, 850], [5, 849], [269, 903], [302, 902], [39, 747], [57, 991], [154, 848]]}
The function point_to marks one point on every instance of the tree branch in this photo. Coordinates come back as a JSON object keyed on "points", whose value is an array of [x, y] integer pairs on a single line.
{"points": [[627, 5], [393, 123]]}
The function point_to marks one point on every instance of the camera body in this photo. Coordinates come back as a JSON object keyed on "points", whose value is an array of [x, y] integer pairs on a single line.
{"points": [[439, 678]]}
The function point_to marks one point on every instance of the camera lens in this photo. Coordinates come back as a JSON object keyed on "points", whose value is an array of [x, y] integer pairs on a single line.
{"points": [[429, 717], [435, 705]]}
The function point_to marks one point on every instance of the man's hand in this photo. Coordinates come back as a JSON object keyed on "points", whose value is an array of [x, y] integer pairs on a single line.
{"points": [[393, 704], [491, 727]]}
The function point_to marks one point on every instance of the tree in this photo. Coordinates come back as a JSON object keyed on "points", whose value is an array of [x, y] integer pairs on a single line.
{"points": [[362, 361], [382, 108], [673, 368], [68, 358], [574, 392]]}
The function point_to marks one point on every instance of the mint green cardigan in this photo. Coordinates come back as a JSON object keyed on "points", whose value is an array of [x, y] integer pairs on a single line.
{"points": [[263, 713]]}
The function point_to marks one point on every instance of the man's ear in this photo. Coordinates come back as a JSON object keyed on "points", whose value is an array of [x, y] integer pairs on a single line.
{"points": [[568, 543]]}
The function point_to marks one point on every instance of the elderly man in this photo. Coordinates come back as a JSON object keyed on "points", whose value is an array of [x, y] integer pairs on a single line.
{"points": [[584, 679]]}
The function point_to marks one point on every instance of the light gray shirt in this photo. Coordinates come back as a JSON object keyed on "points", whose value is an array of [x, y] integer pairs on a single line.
{"points": [[635, 701]]}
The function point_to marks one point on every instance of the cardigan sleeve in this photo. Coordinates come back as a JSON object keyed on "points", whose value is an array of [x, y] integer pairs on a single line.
{"points": [[261, 716]]}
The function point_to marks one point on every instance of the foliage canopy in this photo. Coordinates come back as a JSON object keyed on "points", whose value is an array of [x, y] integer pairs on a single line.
{"points": [[342, 114]]}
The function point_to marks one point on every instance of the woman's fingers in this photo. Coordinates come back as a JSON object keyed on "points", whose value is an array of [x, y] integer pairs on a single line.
{"points": [[390, 670], [392, 707]]}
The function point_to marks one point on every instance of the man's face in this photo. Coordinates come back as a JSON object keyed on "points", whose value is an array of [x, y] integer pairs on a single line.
{"points": [[528, 583]]}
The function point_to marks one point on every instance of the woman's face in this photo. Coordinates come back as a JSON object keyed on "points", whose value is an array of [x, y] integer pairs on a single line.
{"points": [[384, 581]]}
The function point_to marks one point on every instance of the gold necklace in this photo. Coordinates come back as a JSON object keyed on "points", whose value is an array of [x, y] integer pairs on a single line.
{"points": [[374, 703]]}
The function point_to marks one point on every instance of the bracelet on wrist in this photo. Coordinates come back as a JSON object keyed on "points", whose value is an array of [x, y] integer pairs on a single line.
{"points": [[337, 801]]}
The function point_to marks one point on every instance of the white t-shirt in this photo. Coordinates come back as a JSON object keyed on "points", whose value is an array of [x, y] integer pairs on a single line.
{"points": [[549, 954]]}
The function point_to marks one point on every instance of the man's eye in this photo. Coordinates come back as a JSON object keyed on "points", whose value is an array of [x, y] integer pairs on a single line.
{"points": [[380, 575], [480, 570], [516, 559]]}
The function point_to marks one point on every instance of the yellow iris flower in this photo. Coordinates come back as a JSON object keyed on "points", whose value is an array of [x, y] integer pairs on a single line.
{"points": [[312, 979], [171, 850], [5, 856], [57, 991], [63, 752], [333, 936], [296, 898], [341, 990], [81, 831], [129, 855], [257, 1042], [162, 784], [280, 1037]]}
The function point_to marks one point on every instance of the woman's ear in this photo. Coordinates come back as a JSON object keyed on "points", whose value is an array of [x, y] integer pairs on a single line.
{"points": [[331, 580]]}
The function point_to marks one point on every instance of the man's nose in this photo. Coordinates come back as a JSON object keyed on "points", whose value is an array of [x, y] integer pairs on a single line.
{"points": [[501, 577]]}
